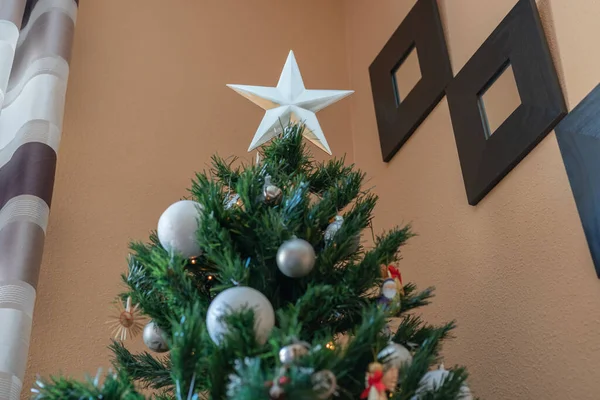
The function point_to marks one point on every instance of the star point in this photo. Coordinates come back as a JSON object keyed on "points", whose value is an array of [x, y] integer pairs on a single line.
{"points": [[290, 101]]}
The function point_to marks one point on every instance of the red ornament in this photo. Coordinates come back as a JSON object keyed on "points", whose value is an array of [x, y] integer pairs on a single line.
{"points": [[284, 380], [395, 274]]}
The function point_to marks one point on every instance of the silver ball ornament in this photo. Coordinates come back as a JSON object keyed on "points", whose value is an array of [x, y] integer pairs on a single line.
{"points": [[395, 355], [296, 258], [154, 338], [434, 379], [177, 228], [235, 299], [290, 353]]}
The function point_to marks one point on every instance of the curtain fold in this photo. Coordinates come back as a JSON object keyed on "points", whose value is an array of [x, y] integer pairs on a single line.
{"points": [[35, 49]]}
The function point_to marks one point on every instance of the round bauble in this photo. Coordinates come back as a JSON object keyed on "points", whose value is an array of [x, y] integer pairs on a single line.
{"points": [[177, 228], [296, 258], [234, 299], [434, 379], [395, 355], [290, 353], [276, 392], [154, 338]]}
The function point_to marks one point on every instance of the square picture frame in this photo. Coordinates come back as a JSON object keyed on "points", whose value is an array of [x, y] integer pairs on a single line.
{"points": [[578, 136], [397, 118], [518, 41]]}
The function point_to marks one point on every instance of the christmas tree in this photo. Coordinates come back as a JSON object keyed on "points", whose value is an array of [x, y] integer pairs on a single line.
{"points": [[260, 287]]}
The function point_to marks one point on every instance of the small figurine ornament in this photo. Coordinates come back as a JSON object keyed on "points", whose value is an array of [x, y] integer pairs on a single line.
{"points": [[234, 201], [276, 390], [324, 383], [394, 273], [389, 293], [277, 386], [333, 228], [375, 387], [271, 193], [391, 288]]}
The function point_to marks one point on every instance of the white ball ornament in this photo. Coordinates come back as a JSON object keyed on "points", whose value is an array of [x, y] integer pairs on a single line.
{"points": [[395, 355], [154, 338], [296, 258], [177, 228], [434, 379], [235, 299]]}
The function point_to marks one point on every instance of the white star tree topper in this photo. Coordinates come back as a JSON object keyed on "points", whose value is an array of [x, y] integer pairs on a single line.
{"points": [[290, 101]]}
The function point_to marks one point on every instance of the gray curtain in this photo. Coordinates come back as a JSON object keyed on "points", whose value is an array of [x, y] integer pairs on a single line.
{"points": [[35, 48]]}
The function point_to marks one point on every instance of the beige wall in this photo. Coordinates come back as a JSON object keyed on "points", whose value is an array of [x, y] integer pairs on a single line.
{"points": [[514, 271], [147, 106]]}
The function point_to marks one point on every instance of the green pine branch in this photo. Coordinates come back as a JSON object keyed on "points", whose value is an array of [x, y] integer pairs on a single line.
{"points": [[413, 299], [413, 330], [149, 371], [224, 170], [115, 386], [286, 155], [366, 341]]}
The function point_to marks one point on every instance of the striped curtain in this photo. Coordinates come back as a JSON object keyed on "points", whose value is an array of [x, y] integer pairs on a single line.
{"points": [[35, 48]]}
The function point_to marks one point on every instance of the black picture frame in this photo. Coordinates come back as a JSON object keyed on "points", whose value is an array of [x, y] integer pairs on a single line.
{"points": [[397, 120], [578, 136], [519, 41]]}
